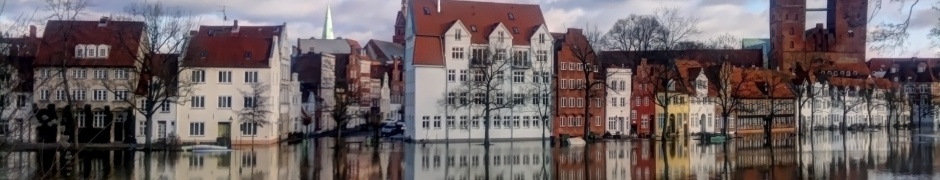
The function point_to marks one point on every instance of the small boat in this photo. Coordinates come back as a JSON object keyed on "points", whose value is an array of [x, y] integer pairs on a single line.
{"points": [[205, 148], [576, 142], [718, 139]]}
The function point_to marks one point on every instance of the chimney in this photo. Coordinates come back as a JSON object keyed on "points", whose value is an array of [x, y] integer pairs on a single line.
{"points": [[32, 31], [438, 6], [103, 21], [193, 33], [235, 26], [819, 25]]}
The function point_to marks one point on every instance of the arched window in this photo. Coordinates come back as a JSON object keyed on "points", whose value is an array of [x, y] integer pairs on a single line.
{"points": [[79, 51], [91, 51], [103, 51]]}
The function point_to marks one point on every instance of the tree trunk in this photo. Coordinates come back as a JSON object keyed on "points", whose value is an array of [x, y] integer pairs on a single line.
{"points": [[768, 122], [149, 131]]}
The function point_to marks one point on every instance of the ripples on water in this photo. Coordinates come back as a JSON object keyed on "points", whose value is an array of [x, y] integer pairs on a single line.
{"points": [[823, 156]]}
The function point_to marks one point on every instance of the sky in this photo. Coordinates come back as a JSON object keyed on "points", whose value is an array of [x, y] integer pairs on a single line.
{"points": [[363, 20]]}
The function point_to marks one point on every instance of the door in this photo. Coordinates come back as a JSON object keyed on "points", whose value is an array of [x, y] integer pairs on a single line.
{"points": [[225, 129], [701, 122], [161, 129], [622, 125]]}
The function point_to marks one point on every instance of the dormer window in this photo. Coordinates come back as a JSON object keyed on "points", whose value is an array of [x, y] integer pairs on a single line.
{"points": [[427, 11], [103, 51], [203, 54], [247, 54], [90, 51], [515, 30], [473, 28], [512, 17], [79, 51]]}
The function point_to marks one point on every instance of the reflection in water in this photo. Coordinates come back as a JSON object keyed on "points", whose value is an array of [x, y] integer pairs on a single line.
{"points": [[824, 155]]}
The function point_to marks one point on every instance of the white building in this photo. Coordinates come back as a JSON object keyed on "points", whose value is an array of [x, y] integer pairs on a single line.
{"points": [[702, 107], [508, 160], [440, 43], [226, 78], [16, 105], [835, 96], [618, 114]]}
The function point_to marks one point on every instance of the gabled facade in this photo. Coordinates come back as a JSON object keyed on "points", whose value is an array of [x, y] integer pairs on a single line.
{"points": [[574, 58], [618, 113], [442, 41], [90, 55], [703, 113], [234, 63]]}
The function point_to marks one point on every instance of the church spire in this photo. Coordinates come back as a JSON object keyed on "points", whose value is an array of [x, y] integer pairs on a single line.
{"points": [[328, 24]]}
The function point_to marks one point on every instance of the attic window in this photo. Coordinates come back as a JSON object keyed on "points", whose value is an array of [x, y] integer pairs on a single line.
{"points": [[427, 11], [512, 17], [247, 54], [473, 28], [203, 54], [515, 30], [211, 33]]}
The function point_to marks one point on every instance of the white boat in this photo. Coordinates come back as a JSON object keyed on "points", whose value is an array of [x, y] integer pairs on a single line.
{"points": [[205, 148]]}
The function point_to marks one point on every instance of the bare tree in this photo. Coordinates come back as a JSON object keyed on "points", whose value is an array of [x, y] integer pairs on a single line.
{"points": [[662, 82], [892, 35], [845, 95], [487, 90], [872, 96], [773, 99], [896, 101], [256, 111], [343, 109], [159, 58], [589, 83]]}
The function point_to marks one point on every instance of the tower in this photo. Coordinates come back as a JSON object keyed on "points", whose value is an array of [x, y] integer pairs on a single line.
{"points": [[787, 23], [847, 20], [328, 24]]}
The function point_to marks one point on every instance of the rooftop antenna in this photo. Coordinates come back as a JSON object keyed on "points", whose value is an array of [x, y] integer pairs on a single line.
{"points": [[224, 16]]}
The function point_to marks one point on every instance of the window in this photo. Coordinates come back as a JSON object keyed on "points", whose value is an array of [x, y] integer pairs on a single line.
{"points": [[426, 11], [249, 129], [199, 76], [198, 101], [225, 102], [102, 51], [473, 28], [99, 119], [456, 53], [44, 95], [500, 98], [203, 54], [463, 75], [502, 38], [518, 76], [251, 77], [197, 129], [518, 99], [79, 51], [165, 106], [78, 73], [59, 95], [515, 30], [225, 76], [78, 95], [512, 17], [451, 98], [542, 38], [541, 55], [80, 117], [633, 114], [120, 95], [101, 74], [120, 74], [437, 122], [457, 35], [250, 102], [21, 101], [451, 75], [91, 52], [248, 55], [100, 95], [426, 122]]}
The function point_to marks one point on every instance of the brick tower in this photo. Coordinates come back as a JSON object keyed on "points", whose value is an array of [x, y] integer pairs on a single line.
{"points": [[840, 40], [787, 23]]}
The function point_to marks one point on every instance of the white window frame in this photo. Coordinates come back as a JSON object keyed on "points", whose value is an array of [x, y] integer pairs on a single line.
{"points": [[99, 119], [165, 106], [101, 74], [121, 95], [78, 73], [252, 76], [225, 77], [198, 76], [225, 102], [120, 74], [197, 102], [100, 95], [197, 129], [78, 94]]}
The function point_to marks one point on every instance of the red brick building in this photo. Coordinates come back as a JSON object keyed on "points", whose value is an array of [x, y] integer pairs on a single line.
{"points": [[572, 51], [841, 40]]}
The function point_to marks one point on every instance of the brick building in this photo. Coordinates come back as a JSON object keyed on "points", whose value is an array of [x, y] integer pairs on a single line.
{"points": [[572, 51], [841, 40]]}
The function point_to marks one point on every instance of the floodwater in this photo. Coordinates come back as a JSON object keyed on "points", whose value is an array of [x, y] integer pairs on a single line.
{"points": [[824, 155]]}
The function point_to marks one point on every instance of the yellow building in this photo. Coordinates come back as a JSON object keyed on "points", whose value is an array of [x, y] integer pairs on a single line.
{"points": [[674, 118], [673, 161]]}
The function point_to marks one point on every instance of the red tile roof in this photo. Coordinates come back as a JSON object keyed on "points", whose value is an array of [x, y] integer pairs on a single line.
{"points": [[485, 16], [229, 52], [243, 31], [61, 37]]}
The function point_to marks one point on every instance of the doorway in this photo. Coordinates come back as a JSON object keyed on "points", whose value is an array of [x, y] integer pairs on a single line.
{"points": [[161, 129]]}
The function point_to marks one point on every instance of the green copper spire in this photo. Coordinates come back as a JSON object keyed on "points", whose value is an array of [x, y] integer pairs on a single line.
{"points": [[328, 24]]}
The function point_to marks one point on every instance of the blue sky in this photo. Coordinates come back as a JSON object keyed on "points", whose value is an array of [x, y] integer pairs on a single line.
{"points": [[374, 19]]}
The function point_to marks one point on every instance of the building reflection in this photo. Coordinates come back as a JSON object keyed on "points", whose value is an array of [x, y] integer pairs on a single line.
{"points": [[825, 155], [509, 160]]}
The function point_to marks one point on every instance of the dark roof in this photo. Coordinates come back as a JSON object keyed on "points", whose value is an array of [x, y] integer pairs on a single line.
{"points": [[384, 50], [230, 52], [61, 37], [737, 57], [485, 16], [907, 68], [243, 31], [328, 46]]}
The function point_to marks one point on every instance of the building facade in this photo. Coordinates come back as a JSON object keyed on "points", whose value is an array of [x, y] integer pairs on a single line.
{"points": [[618, 112], [447, 42], [577, 69], [244, 94]]}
